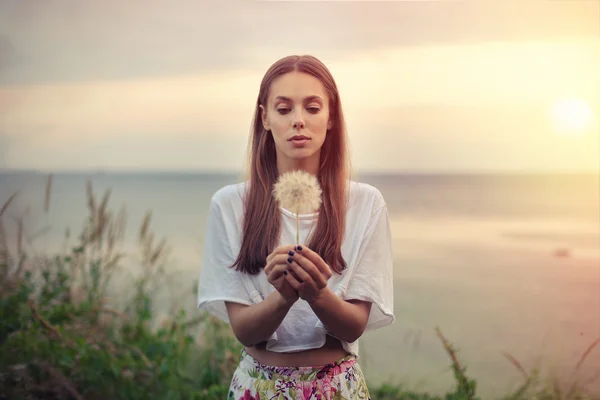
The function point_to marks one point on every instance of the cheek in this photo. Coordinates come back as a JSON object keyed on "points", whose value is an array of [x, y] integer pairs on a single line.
{"points": [[322, 123], [274, 122], [279, 127]]}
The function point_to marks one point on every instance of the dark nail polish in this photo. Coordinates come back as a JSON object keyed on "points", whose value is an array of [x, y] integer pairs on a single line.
{"points": [[299, 248], [289, 259], [291, 253]]}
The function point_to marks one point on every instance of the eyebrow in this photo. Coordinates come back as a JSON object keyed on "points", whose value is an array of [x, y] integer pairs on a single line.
{"points": [[307, 99]]}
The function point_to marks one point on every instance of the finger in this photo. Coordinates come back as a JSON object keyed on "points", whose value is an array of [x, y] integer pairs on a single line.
{"points": [[310, 269], [316, 259], [277, 259], [281, 260], [291, 271], [293, 281], [276, 272], [280, 250], [269, 267], [300, 274]]}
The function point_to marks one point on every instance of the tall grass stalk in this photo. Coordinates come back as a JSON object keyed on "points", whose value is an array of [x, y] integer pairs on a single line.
{"points": [[63, 337]]}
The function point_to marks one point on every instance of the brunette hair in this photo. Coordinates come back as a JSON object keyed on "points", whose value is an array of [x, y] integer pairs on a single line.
{"points": [[262, 217]]}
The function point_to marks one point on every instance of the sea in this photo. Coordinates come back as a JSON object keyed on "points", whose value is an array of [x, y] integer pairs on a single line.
{"points": [[505, 265]]}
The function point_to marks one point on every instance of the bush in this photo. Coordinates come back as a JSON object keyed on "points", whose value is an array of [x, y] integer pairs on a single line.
{"points": [[60, 339]]}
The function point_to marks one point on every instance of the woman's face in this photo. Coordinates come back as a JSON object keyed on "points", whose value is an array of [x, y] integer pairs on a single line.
{"points": [[297, 114]]}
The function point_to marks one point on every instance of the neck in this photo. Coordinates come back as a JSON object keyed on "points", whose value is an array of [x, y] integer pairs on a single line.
{"points": [[310, 165]]}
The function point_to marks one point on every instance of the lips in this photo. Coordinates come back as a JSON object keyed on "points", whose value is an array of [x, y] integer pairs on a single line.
{"points": [[298, 137]]}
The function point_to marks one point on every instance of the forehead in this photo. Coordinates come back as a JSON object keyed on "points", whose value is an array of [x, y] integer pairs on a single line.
{"points": [[297, 86]]}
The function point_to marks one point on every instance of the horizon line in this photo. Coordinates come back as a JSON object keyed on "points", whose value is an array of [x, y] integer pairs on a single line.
{"points": [[366, 171]]}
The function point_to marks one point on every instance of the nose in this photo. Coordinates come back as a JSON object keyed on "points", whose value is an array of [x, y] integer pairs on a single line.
{"points": [[298, 121]]}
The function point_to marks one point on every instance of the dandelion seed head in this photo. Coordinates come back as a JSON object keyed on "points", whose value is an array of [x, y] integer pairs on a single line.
{"points": [[298, 191]]}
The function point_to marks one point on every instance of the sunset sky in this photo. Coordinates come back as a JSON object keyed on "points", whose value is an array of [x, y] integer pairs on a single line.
{"points": [[426, 85]]}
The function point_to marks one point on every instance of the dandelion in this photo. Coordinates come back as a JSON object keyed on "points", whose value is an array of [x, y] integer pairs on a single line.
{"points": [[300, 192]]}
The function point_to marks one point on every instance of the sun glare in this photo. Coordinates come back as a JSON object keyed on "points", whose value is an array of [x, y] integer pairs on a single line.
{"points": [[572, 116]]}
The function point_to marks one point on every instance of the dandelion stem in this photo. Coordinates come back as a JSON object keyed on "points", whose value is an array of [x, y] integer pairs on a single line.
{"points": [[297, 228]]}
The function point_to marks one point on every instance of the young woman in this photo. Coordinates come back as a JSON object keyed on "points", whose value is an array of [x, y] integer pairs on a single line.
{"points": [[299, 309]]}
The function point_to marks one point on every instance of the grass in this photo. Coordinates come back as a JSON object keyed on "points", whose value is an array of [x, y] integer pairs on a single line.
{"points": [[63, 335]]}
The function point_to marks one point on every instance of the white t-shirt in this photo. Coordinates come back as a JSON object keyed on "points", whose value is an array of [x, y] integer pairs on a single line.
{"points": [[366, 249]]}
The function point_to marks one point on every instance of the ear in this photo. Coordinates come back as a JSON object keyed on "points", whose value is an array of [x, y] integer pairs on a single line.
{"points": [[329, 124], [263, 116]]}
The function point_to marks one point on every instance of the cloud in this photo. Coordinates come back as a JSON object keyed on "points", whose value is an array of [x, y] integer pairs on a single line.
{"points": [[432, 136], [114, 40], [446, 137]]}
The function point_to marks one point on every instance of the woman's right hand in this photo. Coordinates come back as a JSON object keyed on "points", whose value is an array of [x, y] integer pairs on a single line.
{"points": [[276, 267]]}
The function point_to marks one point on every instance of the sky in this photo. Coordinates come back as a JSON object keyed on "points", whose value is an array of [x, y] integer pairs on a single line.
{"points": [[484, 85]]}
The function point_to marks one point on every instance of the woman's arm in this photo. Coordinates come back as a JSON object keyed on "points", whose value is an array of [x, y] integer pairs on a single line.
{"points": [[344, 319], [256, 323]]}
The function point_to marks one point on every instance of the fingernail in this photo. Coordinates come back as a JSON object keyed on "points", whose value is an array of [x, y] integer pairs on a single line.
{"points": [[289, 259], [291, 253], [299, 248]]}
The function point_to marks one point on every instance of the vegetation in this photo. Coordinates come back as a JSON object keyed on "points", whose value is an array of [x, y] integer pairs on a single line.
{"points": [[63, 336]]}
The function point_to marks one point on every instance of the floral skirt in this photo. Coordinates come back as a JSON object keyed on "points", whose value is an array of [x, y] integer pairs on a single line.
{"points": [[341, 380]]}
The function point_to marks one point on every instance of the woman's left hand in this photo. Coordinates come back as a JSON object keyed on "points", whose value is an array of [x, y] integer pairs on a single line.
{"points": [[310, 273]]}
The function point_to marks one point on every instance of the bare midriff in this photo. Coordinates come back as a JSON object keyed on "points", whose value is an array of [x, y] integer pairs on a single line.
{"points": [[330, 352]]}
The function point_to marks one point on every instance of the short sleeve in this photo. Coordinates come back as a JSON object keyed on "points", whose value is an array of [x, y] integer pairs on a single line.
{"points": [[372, 279], [218, 282]]}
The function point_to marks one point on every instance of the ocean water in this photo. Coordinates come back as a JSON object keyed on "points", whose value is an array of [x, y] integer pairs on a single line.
{"points": [[500, 263]]}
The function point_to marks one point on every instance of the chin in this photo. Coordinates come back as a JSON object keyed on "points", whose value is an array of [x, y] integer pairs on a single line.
{"points": [[301, 154]]}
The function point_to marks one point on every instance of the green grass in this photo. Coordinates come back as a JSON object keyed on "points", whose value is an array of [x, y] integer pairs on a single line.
{"points": [[64, 336]]}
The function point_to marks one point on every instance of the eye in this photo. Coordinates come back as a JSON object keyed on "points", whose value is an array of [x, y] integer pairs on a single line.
{"points": [[313, 110], [283, 110]]}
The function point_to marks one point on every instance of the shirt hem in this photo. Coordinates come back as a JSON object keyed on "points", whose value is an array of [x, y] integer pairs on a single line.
{"points": [[296, 349]]}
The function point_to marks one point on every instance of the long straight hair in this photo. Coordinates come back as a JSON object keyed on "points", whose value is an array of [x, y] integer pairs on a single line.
{"points": [[262, 216]]}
